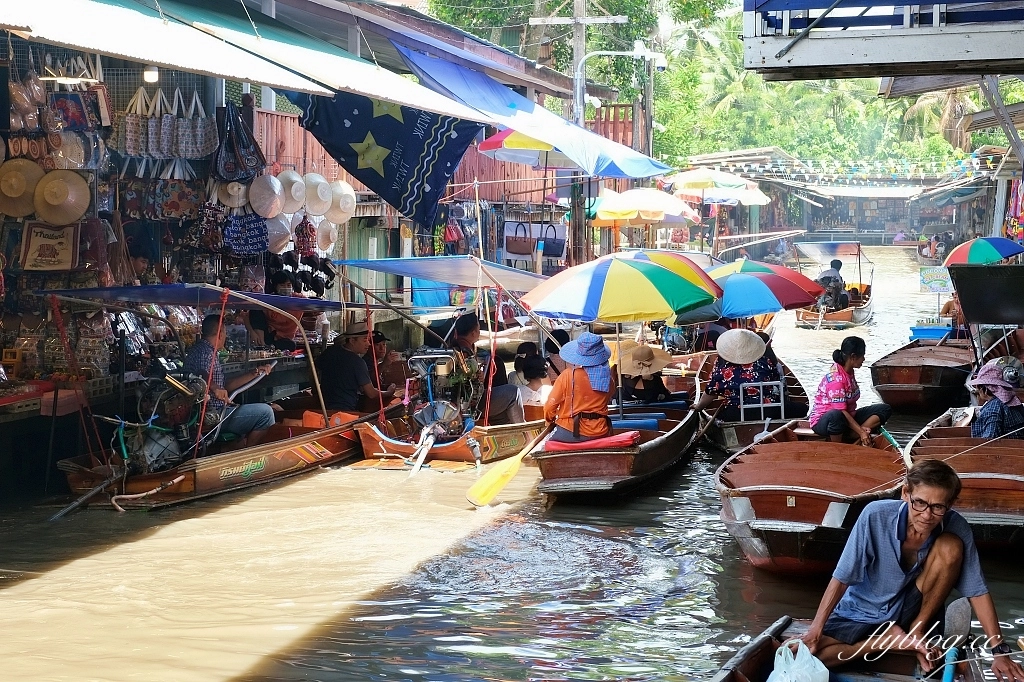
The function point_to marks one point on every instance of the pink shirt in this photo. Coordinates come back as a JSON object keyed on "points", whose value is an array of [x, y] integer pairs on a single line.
{"points": [[837, 391]]}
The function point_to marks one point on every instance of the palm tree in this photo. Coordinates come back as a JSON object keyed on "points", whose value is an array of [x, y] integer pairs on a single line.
{"points": [[942, 111]]}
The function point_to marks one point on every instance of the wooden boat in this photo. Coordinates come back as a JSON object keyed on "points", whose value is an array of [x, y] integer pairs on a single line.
{"points": [[927, 261], [861, 306], [924, 377], [992, 474], [756, 660], [616, 471], [494, 442], [734, 436], [791, 499]]}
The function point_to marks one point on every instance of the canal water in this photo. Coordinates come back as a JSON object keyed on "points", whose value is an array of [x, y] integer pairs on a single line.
{"points": [[652, 588]]}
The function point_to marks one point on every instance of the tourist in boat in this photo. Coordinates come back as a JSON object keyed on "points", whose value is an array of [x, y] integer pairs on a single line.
{"points": [[553, 347], [578, 402], [881, 588], [1001, 414], [831, 281], [248, 422], [835, 414], [386, 367], [524, 351], [344, 377], [742, 360], [534, 391], [641, 374], [505, 405]]}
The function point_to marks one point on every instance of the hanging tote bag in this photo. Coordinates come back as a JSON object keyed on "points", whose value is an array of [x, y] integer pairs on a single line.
{"points": [[186, 143], [521, 245], [133, 124], [154, 124], [203, 130], [246, 234], [553, 246], [238, 158], [168, 121]]}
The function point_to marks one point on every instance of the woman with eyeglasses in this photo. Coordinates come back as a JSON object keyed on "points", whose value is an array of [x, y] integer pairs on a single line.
{"points": [[835, 414], [1001, 413]]}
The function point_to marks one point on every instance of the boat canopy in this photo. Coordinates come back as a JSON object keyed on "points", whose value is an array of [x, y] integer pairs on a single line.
{"points": [[199, 295], [463, 271], [990, 294], [823, 252]]}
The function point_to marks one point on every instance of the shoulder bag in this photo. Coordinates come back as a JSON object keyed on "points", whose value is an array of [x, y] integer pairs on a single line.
{"points": [[520, 245], [553, 246]]}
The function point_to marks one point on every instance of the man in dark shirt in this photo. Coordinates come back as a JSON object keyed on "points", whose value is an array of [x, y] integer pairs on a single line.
{"points": [[343, 374]]}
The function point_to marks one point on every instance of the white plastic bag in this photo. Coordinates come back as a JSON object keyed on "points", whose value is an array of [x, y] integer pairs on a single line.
{"points": [[801, 667]]}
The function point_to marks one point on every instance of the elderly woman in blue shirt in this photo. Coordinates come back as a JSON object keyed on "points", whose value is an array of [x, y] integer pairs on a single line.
{"points": [[901, 562], [1001, 413]]}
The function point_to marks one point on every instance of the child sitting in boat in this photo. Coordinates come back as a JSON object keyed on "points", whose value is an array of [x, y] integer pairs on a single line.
{"points": [[578, 402], [1001, 414]]}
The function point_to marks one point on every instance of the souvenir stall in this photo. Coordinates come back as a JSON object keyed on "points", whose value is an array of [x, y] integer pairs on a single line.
{"points": [[118, 174]]}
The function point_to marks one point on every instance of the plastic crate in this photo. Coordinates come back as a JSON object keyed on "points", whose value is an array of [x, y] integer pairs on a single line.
{"points": [[17, 407]]}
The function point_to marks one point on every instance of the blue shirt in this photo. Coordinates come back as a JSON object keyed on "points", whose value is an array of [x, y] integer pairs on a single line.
{"points": [[870, 564], [197, 362], [995, 419]]}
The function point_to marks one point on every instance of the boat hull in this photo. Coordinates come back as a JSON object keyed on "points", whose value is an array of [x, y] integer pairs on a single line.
{"points": [[810, 318], [615, 471], [496, 442], [923, 378], [206, 476]]}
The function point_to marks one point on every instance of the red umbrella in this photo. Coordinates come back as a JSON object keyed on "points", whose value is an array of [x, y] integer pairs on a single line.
{"points": [[753, 266]]}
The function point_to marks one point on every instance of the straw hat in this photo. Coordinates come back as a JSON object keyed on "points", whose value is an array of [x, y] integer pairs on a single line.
{"points": [[643, 361], [620, 349], [588, 350], [18, 180], [233, 194], [343, 202], [279, 232], [266, 196], [294, 190], [318, 194], [326, 235], [61, 197], [357, 329], [740, 346]]}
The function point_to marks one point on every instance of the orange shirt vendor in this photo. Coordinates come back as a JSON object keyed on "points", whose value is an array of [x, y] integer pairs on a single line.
{"points": [[578, 403]]}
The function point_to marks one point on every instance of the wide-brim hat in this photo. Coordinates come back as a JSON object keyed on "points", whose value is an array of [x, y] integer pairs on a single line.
{"points": [[357, 329], [294, 190], [740, 346], [279, 232], [318, 193], [645, 360], [326, 235], [233, 194], [266, 196], [990, 375], [620, 349], [587, 350], [18, 180], [62, 197], [343, 202]]}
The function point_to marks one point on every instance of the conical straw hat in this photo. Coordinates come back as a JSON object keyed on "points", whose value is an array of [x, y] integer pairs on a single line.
{"points": [[343, 202], [294, 190], [18, 180], [61, 197], [318, 193]]}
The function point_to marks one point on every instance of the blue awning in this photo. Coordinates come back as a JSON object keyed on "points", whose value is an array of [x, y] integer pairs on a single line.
{"points": [[463, 271], [199, 295], [596, 155]]}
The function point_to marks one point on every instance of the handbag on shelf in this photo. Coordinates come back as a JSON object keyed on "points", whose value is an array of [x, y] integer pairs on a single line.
{"points": [[553, 246], [521, 245], [452, 231]]}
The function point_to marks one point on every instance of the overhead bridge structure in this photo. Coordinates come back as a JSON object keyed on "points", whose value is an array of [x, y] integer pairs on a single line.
{"points": [[810, 39]]}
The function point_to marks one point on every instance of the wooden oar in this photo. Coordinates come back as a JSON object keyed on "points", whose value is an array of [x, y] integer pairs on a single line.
{"points": [[497, 477]]}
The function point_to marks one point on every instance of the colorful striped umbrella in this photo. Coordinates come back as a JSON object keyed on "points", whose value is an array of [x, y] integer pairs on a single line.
{"points": [[983, 250], [748, 266], [755, 293], [616, 290], [677, 263]]}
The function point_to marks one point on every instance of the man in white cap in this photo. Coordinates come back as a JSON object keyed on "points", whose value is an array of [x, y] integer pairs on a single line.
{"points": [[344, 376]]}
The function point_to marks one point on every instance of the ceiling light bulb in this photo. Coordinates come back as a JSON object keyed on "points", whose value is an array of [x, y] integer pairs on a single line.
{"points": [[151, 74]]}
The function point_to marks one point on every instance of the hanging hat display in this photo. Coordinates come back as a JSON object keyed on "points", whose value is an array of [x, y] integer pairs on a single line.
{"points": [[62, 197], [18, 180], [318, 193], [266, 196], [326, 235], [294, 190], [279, 232], [343, 202], [233, 194]]}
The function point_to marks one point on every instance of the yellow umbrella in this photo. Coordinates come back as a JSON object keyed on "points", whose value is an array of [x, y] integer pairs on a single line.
{"points": [[642, 205]]}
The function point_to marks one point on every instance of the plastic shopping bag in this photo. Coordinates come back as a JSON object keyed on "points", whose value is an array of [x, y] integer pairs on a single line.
{"points": [[799, 667]]}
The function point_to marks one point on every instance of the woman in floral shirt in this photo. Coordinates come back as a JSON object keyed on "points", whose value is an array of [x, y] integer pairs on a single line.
{"points": [[835, 414]]}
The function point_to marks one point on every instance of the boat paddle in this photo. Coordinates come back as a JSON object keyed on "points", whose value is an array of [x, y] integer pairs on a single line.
{"points": [[497, 477]]}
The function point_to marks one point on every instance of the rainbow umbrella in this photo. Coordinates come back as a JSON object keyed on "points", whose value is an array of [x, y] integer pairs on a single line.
{"points": [[983, 250], [748, 266], [747, 294], [677, 263], [515, 147], [616, 290]]}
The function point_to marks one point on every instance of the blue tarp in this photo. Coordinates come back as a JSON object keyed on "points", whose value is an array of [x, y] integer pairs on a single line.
{"points": [[596, 155], [462, 271], [200, 295]]}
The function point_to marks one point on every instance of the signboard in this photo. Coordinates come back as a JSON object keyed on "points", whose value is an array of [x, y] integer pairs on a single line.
{"points": [[935, 280]]}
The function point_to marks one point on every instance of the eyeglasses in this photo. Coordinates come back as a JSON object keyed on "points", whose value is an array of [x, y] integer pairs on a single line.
{"points": [[935, 509]]}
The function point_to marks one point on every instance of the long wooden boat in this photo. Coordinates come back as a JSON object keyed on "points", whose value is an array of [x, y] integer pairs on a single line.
{"points": [[616, 471], [861, 293], [286, 451], [756, 660], [791, 500], [991, 472], [494, 442], [923, 376], [734, 436], [927, 261]]}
